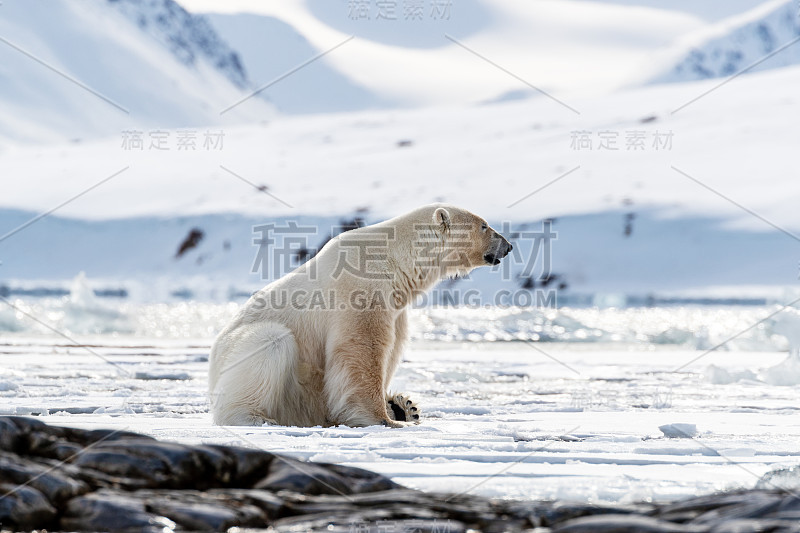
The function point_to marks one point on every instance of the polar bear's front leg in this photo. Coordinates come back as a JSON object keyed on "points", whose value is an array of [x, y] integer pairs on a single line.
{"points": [[354, 379]]}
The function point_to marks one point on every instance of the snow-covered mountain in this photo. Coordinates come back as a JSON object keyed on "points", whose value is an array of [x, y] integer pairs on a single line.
{"points": [[70, 70], [726, 48], [405, 53], [708, 11], [269, 48], [406, 58], [189, 37]]}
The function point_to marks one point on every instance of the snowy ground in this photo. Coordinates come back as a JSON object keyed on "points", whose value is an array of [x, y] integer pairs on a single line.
{"points": [[507, 419]]}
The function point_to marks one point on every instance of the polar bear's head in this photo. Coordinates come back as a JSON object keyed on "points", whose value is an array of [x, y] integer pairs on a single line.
{"points": [[467, 240]]}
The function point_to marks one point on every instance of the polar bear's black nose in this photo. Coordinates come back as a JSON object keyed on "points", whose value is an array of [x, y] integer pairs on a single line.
{"points": [[500, 248]]}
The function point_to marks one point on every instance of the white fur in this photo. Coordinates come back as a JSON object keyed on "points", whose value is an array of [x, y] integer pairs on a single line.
{"points": [[303, 364], [258, 373]]}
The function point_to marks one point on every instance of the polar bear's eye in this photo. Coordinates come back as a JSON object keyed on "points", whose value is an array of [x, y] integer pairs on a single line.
{"points": [[484, 227]]}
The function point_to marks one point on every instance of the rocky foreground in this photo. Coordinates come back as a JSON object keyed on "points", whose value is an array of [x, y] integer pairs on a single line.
{"points": [[58, 478]]}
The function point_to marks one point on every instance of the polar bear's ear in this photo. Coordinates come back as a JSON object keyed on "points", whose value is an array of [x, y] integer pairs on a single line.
{"points": [[441, 217]]}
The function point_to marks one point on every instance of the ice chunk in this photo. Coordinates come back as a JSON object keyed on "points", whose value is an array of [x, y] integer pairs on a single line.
{"points": [[163, 374], [784, 478], [115, 411], [720, 376], [787, 323], [786, 373], [8, 386], [679, 431]]}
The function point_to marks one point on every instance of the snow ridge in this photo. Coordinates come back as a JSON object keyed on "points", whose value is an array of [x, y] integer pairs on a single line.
{"points": [[186, 35], [739, 42]]}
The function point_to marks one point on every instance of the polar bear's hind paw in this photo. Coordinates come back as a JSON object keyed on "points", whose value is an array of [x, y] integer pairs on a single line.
{"points": [[403, 409]]}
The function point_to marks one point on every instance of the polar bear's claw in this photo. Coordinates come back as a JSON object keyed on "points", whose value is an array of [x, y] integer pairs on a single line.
{"points": [[403, 409]]}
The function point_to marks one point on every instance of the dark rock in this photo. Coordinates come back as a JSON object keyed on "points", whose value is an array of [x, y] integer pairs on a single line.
{"points": [[152, 470], [48, 481], [399, 504], [198, 516], [757, 505], [332, 520], [548, 514], [10, 434], [20, 434], [616, 523], [88, 438], [788, 509], [201, 511], [64, 451], [190, 241], [24, 507], [310, 478], [245, 466], [269, 503], [108, 511], [30, 436], [709, 508], [71, 479], [696, 506], [374, 521], [361, 481], [757, 526], [163, 464]]}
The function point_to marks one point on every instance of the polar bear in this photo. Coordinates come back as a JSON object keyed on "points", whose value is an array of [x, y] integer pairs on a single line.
{"points": [[320, 345]]}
